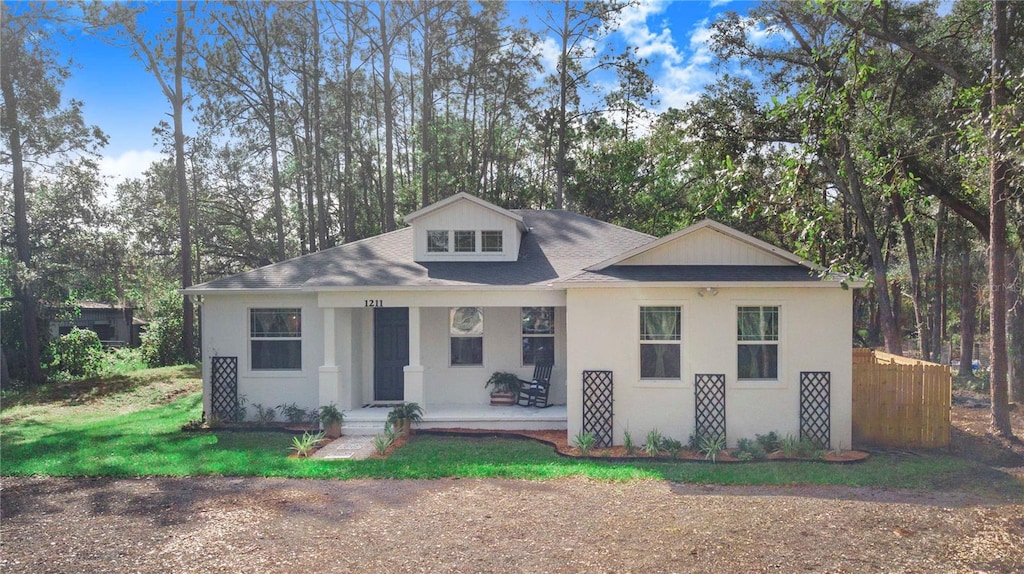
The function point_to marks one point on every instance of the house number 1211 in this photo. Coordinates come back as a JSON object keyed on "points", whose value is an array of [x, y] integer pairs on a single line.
{"points": [[373, 302]]}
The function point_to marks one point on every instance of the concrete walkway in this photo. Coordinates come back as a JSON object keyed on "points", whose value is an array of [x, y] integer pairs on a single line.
{"points": [[348, 447]]}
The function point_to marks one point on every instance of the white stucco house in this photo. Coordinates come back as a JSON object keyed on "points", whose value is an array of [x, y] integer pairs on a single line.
{"points": [[706, 330]]}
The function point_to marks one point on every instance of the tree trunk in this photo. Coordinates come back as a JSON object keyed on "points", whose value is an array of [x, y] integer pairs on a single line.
{"points": [[178, 104], [850, 185], [563, 93], [427, 107], [938, 321], [22, 291], [1015, 330], [916, 296], [275, 170], [968, 311], [389, 122], [999, 170], [322, 219]]}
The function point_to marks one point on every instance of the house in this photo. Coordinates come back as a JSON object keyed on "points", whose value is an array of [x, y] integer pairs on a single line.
{"points": [[705, 331], [115, 325]]}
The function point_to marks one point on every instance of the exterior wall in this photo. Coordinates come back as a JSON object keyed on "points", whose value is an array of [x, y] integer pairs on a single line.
{"points": [[466, 216], [815, 334], [705, 247], [118, 319], [226, 333], [446, 384]]}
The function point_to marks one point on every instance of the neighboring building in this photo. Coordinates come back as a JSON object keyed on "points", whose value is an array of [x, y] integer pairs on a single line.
{"points": [[116, 325], [704, 329]]}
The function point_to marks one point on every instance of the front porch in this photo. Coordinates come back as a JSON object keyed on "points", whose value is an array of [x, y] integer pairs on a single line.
{"points": [[370, 420]]}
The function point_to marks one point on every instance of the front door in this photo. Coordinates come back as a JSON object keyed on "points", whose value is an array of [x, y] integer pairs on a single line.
{"points": [[390, 352]]}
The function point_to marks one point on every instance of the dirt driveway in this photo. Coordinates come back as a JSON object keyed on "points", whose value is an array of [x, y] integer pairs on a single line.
{"points": [[570, 525]]}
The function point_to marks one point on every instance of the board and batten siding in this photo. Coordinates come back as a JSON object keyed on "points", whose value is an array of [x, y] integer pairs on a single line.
{"points": [[705, 247], [466, 216], [603, 333]]}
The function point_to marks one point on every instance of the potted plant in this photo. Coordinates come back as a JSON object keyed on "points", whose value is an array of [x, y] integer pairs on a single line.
{"points": [[402, 416], [331, 419], [506, 387]]}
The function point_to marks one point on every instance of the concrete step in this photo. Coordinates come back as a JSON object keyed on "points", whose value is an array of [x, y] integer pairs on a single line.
{"points": [[362, 428]]}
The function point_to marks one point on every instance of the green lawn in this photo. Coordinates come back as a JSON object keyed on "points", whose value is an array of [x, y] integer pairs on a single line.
{"points": [[131, 427]]}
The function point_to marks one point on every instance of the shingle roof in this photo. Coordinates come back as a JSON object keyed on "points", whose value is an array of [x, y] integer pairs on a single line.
{"points": [[560, 244], [697, 273]]}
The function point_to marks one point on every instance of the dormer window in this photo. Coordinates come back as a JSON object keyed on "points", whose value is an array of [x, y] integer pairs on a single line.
{"points": [[465, 241], [437, 241], [490, 241]]}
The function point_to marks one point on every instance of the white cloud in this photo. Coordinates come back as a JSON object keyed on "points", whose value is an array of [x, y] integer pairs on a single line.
{"points": [[634, 27], [548, 50], [718, 3], [127, 165]]}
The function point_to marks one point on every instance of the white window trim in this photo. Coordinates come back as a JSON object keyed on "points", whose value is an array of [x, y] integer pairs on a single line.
{"points": [[682, 381], [274, 373], [476, 240], [554, 328], [759, 384], [450, 247], [500, 233]]}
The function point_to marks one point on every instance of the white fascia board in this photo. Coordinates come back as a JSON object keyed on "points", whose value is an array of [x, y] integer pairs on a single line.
{"points": [[408, 218], [712, 284]]}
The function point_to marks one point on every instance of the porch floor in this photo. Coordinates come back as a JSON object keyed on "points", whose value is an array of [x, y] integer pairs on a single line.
{"points": [[370, 420]]}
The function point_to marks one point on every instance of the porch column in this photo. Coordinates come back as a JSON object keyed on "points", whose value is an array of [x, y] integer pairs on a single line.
{"points": [[414, 391], [330, 374]]}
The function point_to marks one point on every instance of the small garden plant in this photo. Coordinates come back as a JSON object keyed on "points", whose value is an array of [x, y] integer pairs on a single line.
{"points": [[585, 442], [382, 442], [264, 415], [653, 444], [306, 444], [672, 446], [748, 449], [627, 442], [712, 446]]}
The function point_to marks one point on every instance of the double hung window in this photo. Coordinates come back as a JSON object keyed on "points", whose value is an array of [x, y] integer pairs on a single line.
{"points": [[660, 342], [275, 339], [757, 334], [538, 335]]}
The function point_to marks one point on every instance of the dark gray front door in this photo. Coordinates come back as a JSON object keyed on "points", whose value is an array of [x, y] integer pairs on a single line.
{"points": [[390, 352]]}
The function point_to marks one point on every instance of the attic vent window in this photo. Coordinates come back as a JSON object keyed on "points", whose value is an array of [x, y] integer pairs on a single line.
{"points": [[437, 241], [465, 241], [491, 241]]}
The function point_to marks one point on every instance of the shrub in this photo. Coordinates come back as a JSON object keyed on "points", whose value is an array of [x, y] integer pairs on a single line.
{"points": [[382, 442], [748, 449], [295, 414], [769, 442], [161, 343], [264, 416], [712, 446], [123, 360], [672, 446], [77, 354], [627, 441]]}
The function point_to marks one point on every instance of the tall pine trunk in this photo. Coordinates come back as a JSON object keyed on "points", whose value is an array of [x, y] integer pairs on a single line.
{"points": [[178, 104], [968, 310]]}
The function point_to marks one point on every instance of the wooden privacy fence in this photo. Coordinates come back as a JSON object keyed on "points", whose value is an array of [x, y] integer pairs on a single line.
{"points": [[900, 402]]}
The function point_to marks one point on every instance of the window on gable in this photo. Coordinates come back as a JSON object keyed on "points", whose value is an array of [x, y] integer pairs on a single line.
{"points": [[466, 335], [437, 241], [491, 241], [275, 339], [660, 337], [465, 241], [538, 335], [757, 335]]}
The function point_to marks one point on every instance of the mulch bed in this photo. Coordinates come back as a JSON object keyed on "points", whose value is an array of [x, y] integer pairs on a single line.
{"points": [[559, 440]]}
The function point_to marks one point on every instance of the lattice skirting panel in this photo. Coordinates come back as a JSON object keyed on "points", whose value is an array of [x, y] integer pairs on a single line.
{"points": [[597, 405], [224, 387], [815, 412], [709, 393]]}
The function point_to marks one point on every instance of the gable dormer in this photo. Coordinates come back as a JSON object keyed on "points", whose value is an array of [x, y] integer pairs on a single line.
{"points": [[465, 228]]}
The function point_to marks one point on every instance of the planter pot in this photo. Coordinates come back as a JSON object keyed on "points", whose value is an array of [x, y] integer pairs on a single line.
{"points": [[401, 427], [503, 399], [332, 430]]}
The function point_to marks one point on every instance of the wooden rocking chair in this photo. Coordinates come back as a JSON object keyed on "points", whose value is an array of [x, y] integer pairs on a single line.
{"points": [[534, 393]]}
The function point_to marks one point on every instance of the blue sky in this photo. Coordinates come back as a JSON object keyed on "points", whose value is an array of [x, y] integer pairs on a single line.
{"points": [[125, 101]]}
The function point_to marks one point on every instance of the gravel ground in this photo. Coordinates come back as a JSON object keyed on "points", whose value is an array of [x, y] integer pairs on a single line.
{"points": [[568, 525]]}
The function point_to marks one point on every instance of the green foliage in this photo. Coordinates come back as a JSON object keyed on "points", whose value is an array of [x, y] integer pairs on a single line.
{"points": [[627, 442], [297, 415], [120, 360], [794, 447], [330, 415], [77, 354], [503, 382], [382, 442], [672, 446], [305, 445], [748, 449], [161, 343], [712, 446], [653, 444], [584, 442], [264, 416], [769, 442], [411, 412]]}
